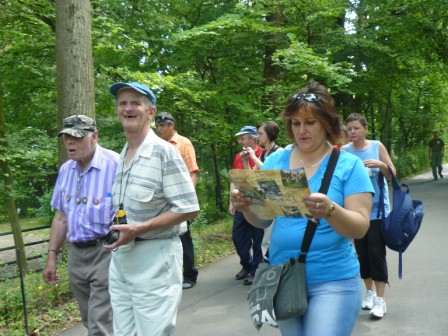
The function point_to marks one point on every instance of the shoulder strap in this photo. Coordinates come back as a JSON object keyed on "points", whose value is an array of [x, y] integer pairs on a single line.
{"points": [[381, 213], [329, 171], [311, 225]]}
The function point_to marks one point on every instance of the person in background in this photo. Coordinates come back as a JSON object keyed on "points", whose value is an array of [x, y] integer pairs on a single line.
{"points": [[166, 130], [343, 138], [436, 152], [245, 236], [268, 132], [332, 269], [371, 248], [152, 194], [83, 199]]}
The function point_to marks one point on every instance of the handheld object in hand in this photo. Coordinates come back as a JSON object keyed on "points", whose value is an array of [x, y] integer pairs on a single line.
{"points": [[120, 218], [111, 237]]}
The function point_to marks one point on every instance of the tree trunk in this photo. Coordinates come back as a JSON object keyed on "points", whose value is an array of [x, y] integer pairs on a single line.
{"points": [[272, 73], [218, 187], [74, 64], [10, 200]]}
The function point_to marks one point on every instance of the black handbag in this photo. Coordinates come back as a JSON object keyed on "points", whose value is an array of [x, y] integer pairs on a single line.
{"points": [[280, 292]]}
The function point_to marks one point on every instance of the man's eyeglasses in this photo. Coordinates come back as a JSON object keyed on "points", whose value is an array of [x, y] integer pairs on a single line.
{"points": [[163, 119], [240, 140], [309, 97]]}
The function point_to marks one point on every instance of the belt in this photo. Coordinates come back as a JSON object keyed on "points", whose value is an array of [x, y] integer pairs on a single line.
{"points": [[138, 239], [87, 244]]}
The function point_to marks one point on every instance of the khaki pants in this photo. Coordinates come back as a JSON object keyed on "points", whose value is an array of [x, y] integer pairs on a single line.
{"points": [[88, 270]]}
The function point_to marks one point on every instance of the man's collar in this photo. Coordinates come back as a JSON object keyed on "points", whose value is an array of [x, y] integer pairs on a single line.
{"points": [[145, 148], [95, 160], [174, 138]]}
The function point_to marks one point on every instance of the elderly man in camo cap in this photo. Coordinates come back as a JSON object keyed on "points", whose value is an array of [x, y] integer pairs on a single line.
{"points": [[82, 197]]}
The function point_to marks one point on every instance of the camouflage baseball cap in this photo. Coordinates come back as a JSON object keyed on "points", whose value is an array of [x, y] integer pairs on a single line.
{"points": [[78, 126]]}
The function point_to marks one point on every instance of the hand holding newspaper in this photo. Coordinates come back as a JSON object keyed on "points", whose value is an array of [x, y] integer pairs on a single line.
{"points": [[274, 192]]}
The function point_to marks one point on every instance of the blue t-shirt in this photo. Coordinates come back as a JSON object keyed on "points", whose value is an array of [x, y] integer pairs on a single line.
{"points": [[373, 152], [331, 256]]}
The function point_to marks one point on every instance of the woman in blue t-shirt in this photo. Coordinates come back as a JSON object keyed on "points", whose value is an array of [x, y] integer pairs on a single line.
{"points": [[332, 268], [371, 249]]}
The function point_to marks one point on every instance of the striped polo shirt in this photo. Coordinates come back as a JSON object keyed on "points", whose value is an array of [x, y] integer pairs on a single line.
{"points": [[90, 217], [155, 181]]}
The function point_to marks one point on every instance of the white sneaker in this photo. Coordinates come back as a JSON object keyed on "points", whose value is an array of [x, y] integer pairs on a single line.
{"points": [[379, 308], [367, 302]]}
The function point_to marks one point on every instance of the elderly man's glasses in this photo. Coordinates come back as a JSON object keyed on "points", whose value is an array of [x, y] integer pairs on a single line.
{"points": [[309, 97], [163, 119], [240, 140]]}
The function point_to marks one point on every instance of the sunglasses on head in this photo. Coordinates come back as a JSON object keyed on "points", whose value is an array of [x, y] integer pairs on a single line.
{"points": [[309, 97], [163, 119]]}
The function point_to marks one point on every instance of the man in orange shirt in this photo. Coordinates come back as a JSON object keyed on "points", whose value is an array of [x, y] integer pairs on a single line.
{"points": [[165, 130]]}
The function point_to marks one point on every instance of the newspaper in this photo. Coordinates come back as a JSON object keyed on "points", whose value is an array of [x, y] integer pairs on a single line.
{"points": [[274, 192]]}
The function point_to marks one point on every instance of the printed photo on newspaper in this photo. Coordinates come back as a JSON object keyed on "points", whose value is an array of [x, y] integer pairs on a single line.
{"points": [[274, 192]]}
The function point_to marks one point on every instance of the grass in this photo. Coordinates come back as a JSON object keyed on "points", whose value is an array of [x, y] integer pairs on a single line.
{"points": [[25, 223], [51, 309]]}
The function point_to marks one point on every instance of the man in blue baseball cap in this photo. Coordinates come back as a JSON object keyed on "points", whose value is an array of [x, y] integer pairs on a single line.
{"points": [[141, 88], [251, 130], [152, 195], [245, 236]]}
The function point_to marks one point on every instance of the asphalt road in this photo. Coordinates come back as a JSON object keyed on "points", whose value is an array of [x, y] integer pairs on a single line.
{"points": [[417, 304]]}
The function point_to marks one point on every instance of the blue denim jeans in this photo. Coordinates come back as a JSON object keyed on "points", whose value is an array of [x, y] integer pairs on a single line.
{"points": [[246, 238], [333, 308]]}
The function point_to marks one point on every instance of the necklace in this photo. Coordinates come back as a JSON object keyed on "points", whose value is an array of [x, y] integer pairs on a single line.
{"points": [[316, 164]]}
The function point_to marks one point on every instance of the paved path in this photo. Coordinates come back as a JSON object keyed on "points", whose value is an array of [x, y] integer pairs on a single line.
{"points": [[417, 304]]}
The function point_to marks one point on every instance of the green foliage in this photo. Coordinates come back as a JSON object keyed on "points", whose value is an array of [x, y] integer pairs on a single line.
{"points": [[42, 302], [201, 220], [212, 241], [46, 211], [33, 161], [410, 162], [219, 65]]}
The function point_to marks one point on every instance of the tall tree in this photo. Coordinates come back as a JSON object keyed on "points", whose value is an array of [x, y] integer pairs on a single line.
{"points": [[74, 64]]}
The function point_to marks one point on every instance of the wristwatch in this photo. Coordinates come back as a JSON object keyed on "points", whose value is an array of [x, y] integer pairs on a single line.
{"points": [[331, 210]]}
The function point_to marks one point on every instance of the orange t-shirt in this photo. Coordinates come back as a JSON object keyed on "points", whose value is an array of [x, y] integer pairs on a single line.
{"points": [[186, 150]]}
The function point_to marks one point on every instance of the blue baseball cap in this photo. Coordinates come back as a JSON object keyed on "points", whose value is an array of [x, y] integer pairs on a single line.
{"points": [[247, 130], [143, 89]]}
